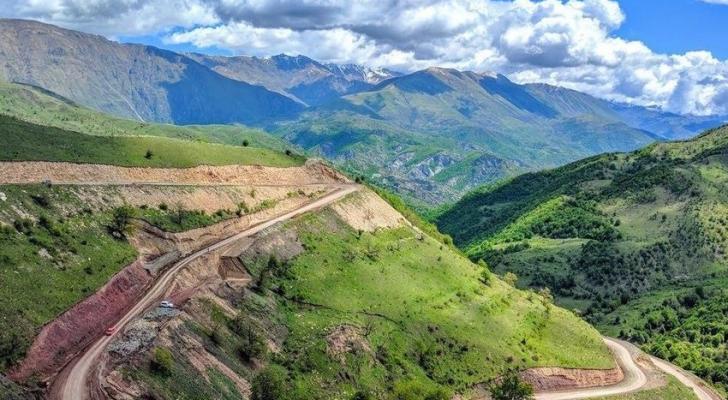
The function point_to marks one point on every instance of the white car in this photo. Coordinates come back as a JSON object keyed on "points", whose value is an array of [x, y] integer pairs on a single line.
{"points": [[166, 304]]}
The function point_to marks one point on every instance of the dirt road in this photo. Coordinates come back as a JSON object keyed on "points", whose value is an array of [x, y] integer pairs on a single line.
{"points": [[74, 384], [634, 379]]}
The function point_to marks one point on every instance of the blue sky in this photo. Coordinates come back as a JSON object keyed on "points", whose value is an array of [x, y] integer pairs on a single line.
{"points": [[670, 54], [677, 26]]}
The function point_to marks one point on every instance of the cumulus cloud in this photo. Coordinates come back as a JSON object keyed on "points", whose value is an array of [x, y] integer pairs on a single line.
{"points": [[563, 42]]}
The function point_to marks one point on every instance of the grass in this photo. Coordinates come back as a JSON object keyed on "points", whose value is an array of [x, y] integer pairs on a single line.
{"points": [[49, 264], [426, 314], [24, 141], [39, 107]]}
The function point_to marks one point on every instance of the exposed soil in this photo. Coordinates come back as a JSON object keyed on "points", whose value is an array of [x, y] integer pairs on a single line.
{"points": [[366, 211], [312, 172], [547, 379], [60, 340], [346, 339]]}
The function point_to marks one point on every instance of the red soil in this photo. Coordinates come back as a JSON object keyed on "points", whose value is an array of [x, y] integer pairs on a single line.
{"points": [[60, 340]]}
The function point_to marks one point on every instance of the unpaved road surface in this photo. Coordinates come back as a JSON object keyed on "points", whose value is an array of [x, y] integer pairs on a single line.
{"points": [[701, 390], [74, 385], [27, 172], [634, 379]]}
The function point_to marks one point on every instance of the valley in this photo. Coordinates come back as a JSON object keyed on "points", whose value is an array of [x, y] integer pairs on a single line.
{"points": [[633, 241]]}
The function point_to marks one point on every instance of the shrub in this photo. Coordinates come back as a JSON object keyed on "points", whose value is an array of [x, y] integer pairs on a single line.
{"points": [[121, 219], [510, 278], [252, 345], [416, 390], [149, 155], [162, 361], [511, 387], [41, 200], [362, 395], [246, 143], [269, 384]]}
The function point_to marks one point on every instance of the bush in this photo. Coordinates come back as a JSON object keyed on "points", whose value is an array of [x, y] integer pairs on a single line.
{"points": [[41, 200], [121, 220], [510, 278], [269, 384], [246, 143], [252, 344], [362, 395], [511, 387], [162, 361], [416, 390]]}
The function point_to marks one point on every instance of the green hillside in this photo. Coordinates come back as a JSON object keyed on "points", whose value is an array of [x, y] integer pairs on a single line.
{"points": [[420, 319], [30, 142], [636, 242], [41, 107]]}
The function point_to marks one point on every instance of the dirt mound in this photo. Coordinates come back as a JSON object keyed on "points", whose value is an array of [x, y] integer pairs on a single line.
{"points": [[60, 340], [35, 172], [346, 339]]}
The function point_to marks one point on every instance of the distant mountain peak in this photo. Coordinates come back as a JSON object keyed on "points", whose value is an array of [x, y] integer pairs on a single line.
{"points": [[360, 72]]}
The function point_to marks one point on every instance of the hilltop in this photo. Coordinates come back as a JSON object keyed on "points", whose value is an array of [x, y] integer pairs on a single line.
{"points": [[635, 241]]}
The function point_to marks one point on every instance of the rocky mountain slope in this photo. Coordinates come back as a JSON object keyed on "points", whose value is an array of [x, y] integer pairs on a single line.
{"points": [[135, 81], [298, 77], [434, 134], [636, 241]]}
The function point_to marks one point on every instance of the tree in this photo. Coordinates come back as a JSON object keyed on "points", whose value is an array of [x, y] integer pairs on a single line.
{"points": [[149, 155], [484, 272], [510, 278], [162, 361], [511, 387], [121, 220], [178, 213], [246, 143], [269, 384]]}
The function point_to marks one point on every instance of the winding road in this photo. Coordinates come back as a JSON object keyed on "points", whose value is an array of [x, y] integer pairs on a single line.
{"points": [[74, 383], [635, 378]]}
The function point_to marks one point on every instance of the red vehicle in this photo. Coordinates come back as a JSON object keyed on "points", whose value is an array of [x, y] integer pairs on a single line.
{"points": [[110, 331]]}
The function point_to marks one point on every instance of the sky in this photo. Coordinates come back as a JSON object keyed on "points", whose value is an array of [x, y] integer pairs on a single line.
{"points": [[671, 54]]}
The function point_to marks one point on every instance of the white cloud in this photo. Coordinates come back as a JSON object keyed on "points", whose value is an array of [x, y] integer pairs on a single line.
{"points": [[722, 2], [563, 42]]}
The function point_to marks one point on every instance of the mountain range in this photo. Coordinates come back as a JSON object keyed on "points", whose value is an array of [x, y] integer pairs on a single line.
{"points": [[430, 135]]}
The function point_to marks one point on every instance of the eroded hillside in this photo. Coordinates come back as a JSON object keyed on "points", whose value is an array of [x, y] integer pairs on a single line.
{"points": [[348, 297]]}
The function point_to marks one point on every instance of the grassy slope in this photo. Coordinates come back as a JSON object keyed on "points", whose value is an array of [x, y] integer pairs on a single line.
{"points": [[429, 317], [636, 241], [40, 107], [24, 141], [48, 265]]}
